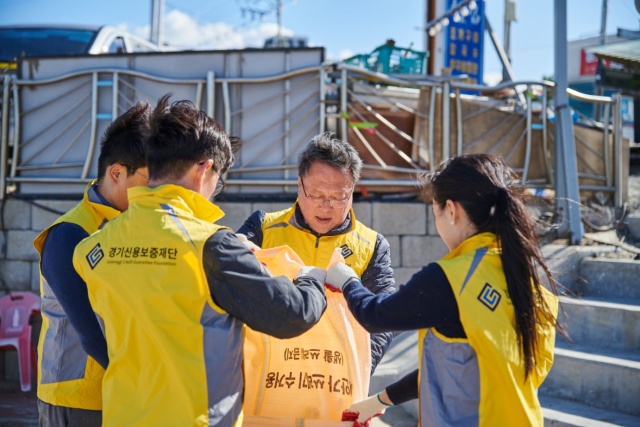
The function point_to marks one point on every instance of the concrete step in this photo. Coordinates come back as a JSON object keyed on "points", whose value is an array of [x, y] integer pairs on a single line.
{"points": [[599, 323], [601, 378], [612, 278], [400, 359], [566, 413]]}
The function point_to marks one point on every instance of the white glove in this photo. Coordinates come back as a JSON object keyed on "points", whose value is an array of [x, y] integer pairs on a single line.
{"points": [[248, 243], [368, 408], [315, 272], [338, 275]]}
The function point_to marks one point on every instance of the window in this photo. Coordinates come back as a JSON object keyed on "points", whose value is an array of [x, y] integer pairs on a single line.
{"points": [[117, 46], [19, 42]]}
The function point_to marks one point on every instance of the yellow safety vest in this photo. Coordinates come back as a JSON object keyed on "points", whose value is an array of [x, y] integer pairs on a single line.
{"points": [[328, 367], [492, 383], [175, 357], [357, 244], [67, 375]]}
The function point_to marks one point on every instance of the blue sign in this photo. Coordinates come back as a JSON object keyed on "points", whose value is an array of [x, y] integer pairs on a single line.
{"points": [[464, 42]]}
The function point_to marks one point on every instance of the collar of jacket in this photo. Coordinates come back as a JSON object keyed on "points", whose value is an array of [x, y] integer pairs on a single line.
{"points": [[99, 203], [298, 221], [178, 197], [480, 240]]}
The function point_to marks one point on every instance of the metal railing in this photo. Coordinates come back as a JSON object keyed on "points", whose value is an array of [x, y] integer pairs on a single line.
{"points": [[55, 133], [54, 139], [516, 131], [272, 139]]}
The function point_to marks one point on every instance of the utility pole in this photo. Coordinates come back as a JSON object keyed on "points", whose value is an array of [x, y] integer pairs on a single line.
{"points": [[509, 17], [566, 164], [603, 41], [603, 22], [279, 19], [157, 22], [429, 42]]}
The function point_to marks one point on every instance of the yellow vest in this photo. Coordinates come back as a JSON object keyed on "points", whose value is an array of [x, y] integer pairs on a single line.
{"points": [[328, 367], [504, 397], [67, 376], [174, 356], [357, 243]]}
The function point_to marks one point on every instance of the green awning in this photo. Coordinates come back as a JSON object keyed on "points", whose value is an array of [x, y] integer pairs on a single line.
{"points": [[626, 54]]}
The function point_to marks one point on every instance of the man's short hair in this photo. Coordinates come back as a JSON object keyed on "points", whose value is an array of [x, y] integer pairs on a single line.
{"points": [[329, 150], [183, 135], [123, 141]]}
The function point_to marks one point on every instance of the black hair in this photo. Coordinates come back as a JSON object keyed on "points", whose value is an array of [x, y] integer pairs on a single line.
{"points": [[123, 141], [183, 135], [326, 148]]}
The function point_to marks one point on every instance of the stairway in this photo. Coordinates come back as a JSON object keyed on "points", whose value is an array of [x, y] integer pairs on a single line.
{"points": [[595, 379]]}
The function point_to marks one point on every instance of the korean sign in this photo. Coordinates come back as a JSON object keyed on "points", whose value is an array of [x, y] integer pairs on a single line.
{"points": [[464, 43]]}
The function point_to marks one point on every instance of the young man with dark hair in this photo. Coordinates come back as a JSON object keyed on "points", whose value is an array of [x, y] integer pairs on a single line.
{"points": [[72, 350], [174, 289]]}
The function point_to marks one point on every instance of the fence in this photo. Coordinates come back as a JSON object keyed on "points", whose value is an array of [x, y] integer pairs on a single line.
{"points": [[402, 128]]}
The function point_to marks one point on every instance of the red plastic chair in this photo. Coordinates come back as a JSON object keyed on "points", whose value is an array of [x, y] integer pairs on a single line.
{"points": [[15, 330]]}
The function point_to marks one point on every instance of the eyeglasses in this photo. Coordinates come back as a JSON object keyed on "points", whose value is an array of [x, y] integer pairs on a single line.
{"points": [[319, 201], [132, 171], [219, 185], [142, 175]]}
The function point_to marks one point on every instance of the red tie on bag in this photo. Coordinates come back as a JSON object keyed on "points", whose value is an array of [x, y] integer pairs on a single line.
{"points": [[353, 416]]}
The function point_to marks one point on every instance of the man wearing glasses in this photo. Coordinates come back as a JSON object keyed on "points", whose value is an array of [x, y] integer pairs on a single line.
{"points": [[69, 381], [322, 220], [174, 290]]}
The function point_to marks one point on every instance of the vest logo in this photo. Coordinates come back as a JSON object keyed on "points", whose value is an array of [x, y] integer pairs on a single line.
{"points": [[346, 252], [489, 297], [95, 256]]}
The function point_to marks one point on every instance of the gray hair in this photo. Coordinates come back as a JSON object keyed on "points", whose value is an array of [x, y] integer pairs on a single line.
{"points": [[327, 149]]}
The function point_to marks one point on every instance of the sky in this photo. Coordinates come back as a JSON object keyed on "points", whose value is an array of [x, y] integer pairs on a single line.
{"points": [[342, 27]]}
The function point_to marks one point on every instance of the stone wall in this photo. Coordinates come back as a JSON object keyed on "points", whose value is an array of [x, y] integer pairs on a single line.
{"points": [[409, 227]]}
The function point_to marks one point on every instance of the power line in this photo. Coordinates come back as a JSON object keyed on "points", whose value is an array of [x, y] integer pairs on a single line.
{"points": [[272, 7], [257, 10]]}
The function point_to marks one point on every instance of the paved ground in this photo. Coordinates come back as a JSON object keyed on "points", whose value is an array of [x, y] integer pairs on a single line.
{"points": [[18, 409]]}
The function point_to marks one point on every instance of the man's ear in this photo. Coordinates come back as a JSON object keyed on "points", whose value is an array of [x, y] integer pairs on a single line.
{"points": [[116, 172], [201, 171]]}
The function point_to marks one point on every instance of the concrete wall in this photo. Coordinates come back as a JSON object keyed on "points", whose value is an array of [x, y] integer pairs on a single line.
{"points": [[409, 227]]}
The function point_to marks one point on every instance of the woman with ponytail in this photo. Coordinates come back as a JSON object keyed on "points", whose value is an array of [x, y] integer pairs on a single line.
{"points": [[486, 320]]}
